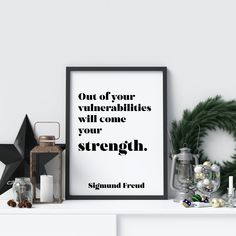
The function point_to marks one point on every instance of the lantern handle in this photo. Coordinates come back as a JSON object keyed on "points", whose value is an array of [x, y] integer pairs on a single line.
{"points": [[172, 176], [49, 122], [196, 158]]}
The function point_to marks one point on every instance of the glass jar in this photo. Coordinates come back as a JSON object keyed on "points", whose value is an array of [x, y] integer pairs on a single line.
{"points": [[22, 190]]}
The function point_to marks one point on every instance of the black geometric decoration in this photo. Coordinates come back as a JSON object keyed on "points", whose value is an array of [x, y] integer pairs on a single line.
{"points": [[16, 156], [24, 143]]}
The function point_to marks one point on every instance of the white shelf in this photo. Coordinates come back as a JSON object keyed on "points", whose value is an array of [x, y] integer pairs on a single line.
{"points": [[114, 207]]}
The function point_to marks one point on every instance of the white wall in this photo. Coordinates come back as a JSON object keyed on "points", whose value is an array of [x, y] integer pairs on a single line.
{"points": [[196, 40]]}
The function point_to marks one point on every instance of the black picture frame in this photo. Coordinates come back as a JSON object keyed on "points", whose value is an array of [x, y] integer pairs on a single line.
{"points": [[68, 195]]}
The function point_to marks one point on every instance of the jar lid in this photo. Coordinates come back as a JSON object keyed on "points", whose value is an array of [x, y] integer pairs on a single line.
{"points": [[26, 179], [46, 140]]}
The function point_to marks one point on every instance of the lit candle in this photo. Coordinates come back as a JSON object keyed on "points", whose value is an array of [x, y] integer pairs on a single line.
{"points": [[46, 188], [231, 184]]}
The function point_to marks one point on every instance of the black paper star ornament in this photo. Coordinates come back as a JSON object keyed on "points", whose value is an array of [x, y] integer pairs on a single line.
{"points": [[16, 157], [24, 143], [10, 157]]}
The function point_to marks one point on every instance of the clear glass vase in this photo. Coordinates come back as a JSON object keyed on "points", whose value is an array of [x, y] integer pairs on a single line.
{"points": [[207, 179]]}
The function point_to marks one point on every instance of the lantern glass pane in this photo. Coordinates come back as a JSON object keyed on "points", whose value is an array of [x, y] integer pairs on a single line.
{"points": [[47, 177]]}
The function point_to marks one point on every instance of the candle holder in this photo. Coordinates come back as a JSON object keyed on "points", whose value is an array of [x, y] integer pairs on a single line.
{"points": [[230, 200], [46, 169]]}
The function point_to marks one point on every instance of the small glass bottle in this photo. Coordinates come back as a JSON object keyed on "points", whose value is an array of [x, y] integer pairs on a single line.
{"points": [[22, 190]]}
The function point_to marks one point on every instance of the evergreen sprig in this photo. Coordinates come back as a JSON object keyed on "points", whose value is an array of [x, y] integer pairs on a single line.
{"points": [[214, 113]]}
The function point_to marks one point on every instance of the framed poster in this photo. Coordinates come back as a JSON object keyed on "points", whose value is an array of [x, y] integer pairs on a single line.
{"points": [[116, 133]]}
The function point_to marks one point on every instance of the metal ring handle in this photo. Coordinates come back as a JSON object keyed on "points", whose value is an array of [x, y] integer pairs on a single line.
{"points": [[48, 122]]}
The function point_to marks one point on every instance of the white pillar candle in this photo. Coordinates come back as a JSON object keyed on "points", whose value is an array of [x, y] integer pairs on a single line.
{"points": [[46, 188], [231, 184]]}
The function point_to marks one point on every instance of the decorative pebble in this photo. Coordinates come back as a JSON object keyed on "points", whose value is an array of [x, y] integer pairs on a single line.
{"points": [[186, 203], [21, 205], [28, 205], [196, 198], [11, 203], [205, 199]]}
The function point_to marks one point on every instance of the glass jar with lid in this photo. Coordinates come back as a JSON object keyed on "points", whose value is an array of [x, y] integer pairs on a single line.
{"points": [[22, 189]]}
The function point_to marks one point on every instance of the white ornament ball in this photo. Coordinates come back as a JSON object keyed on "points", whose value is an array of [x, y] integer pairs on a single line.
{"points": [[199, 184], [197, 175], [215, 168], [198, 169], [207, 163], [215, 183], [214, 200], [201, 176], [221, 202], [215, 203], [206, 170], [206, 182]]}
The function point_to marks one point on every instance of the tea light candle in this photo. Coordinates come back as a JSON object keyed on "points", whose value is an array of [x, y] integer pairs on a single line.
{"points": [[46, 188], [231, 184]]}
